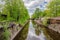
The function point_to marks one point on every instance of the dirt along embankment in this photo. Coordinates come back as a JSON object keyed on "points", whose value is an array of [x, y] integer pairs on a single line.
{"points": [[18, 34], [12, 30]]}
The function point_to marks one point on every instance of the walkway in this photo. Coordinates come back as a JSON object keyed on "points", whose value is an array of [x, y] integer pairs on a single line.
{"points": [[54, 27]]}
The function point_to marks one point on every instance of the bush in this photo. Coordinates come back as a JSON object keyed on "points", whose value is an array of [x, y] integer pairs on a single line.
{"points": [[6, 33]]}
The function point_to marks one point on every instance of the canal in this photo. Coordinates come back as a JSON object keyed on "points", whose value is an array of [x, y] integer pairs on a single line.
{"points": [[33, 32]]}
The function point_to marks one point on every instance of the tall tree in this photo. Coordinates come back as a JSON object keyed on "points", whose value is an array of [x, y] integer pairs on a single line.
{"points": [[15, 10], [38, 13], [54, 7]]}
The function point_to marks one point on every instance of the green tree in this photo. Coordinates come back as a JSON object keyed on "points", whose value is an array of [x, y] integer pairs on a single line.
{"points": [[15, 10], [38, 13], [54, 7]]}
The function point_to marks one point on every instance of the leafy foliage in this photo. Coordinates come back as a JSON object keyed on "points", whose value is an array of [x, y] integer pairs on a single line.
{"points": [[15, 10], [54, 7], [6, 33], [53, 10], [38, 13]]}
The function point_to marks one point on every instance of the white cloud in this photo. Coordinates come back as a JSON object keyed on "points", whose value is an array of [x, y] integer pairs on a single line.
{"points": [[32, 4], [29, 4], [2, 2]]}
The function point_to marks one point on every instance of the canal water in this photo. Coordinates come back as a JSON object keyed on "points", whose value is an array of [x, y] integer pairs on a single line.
{"points": [[34, 32]]}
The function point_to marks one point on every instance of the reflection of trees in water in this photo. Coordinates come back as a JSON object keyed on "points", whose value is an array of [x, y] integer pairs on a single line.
{"points": [[37, 29], [24, 33]]}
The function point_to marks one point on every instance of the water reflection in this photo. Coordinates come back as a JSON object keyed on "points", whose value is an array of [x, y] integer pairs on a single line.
{"points": [[34, 32], [24, 32]]}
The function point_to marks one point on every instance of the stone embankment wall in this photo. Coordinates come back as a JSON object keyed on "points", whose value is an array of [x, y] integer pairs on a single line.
{"points": [[53, 34]]}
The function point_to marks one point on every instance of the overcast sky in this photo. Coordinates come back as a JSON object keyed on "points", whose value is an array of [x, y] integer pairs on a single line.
{"points": [[32, 4]]}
